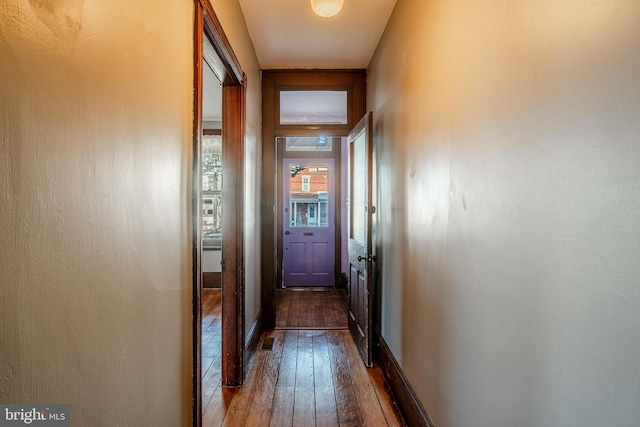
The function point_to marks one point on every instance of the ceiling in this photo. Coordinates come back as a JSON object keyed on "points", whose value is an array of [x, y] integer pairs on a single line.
{"points": [[287, 34]]}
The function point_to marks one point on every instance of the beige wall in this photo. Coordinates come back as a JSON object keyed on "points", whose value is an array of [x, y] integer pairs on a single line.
{"points": [[508, 140], [95, 161], [232, 20]]}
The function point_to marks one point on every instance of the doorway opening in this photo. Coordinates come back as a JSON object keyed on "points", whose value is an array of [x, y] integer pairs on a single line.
{"points": [[311, 210], [310, 203], [217, 184], [295, 128]]}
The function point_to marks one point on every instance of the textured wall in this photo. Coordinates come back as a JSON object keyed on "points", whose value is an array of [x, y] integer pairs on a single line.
{"points": [[508, 135], [95, 259]]}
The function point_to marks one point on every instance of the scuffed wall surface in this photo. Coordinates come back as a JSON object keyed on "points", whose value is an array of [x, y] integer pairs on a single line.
{"points": [[509, 195], [230, 15], [95, 166]]}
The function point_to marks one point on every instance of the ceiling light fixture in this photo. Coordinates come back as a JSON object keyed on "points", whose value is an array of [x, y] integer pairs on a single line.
{"points": [[327, 8]]}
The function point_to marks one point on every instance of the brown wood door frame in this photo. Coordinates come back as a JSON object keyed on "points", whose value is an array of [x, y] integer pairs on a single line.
{"points": [[233, 131], [273, 81]]}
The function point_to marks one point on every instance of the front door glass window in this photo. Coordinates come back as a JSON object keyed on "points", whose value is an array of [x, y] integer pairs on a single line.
{"points": [[308, 195], [308, 143]]}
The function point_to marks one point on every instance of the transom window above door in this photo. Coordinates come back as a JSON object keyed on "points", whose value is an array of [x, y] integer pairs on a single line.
{"points": [[308, 143], [313, 107]]}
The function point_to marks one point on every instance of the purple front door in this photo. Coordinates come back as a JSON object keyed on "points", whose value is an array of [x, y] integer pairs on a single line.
{"points": [[308, 222]]}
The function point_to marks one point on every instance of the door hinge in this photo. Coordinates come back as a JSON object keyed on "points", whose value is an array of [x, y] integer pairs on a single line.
{"points": [[222, 264]]}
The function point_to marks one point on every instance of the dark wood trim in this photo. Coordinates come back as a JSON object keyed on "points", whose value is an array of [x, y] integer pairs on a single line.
{"points": [[213, 29], [268, 186], [354, 81], [232, 235], [405, 398], [233, 131], [212, 279], [212, 131]]}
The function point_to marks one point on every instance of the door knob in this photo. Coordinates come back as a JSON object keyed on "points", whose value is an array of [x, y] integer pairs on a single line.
{"points": [[361, 258], [287, 232]]}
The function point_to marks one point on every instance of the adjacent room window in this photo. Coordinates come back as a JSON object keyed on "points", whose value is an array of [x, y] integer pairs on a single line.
{"points": [[211, 187]]}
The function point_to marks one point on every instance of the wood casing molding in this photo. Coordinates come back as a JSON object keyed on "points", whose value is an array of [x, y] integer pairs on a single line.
{"points": [[233, 74], [232, 236], [233, 139], [405, 398]]}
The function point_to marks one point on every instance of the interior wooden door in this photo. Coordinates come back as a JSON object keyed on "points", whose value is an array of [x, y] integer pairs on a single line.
{"points": [[360, 254]]}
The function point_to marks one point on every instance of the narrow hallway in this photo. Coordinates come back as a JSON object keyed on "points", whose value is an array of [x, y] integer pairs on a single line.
{"points": [[310, 377]]}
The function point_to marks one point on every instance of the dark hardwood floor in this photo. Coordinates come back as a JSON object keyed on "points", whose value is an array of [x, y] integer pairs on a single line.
{"points": [[311, 308], [310, 377]]}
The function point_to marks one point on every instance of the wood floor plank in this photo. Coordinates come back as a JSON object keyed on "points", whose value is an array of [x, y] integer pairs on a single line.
{"points": [[326, 410], [329, 317], [298, 310], [289, 359], [216, 410], [211, 344], [283, 303], [365, 391], [304, 361], [304, 399], [377, 378], [263, 399], [240, 406], [321, 360], [346, 400], [211, 318], [304, 407], [317, 310], [212, 380], [214, 344], [282, 415]]}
